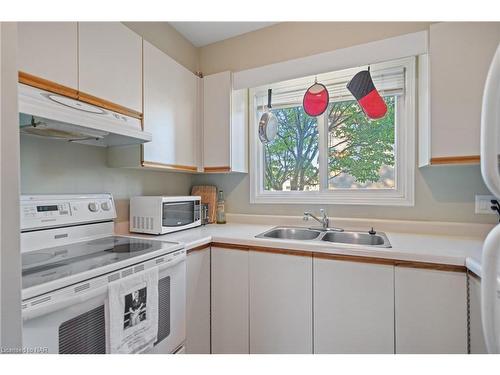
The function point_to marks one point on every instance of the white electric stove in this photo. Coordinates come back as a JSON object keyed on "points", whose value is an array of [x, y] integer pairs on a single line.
{"points": [[70, 255]]}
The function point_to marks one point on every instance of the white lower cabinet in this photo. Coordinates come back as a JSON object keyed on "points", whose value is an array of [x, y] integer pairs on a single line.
{"points": [[431, 311], [198, 302], [229, 301], [353, 307], [280, 303], [241, 301], [477, 343]]}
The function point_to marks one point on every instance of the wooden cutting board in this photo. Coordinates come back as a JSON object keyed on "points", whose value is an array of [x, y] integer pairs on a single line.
{"points": [[208, 196]]}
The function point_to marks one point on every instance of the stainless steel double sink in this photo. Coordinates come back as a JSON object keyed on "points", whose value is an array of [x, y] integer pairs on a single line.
{"points": [[378, 239]]}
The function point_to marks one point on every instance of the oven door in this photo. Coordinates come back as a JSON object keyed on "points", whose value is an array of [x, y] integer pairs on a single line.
{"points": [[78, 325], [180, 215]]}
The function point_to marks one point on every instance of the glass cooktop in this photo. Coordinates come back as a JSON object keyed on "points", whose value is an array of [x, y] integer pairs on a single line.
{"points": [[50, 264]]}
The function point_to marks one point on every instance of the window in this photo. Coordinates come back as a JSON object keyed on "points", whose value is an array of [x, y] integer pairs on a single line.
{"points": [[340, 157]]}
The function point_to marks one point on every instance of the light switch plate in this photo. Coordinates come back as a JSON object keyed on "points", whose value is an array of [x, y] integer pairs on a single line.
{"points": [[483, 204]]}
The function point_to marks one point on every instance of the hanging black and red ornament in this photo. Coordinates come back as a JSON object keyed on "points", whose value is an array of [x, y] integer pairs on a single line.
{"points": [[316, 99], [362, 88]]}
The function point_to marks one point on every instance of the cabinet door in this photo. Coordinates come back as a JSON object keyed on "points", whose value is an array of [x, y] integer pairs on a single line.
{"points": [[49, 50], [460, 56], [431, 311], [353, 307], [280, 303], [217, 120], [229, 301], [198, 302], [110, 63], [477, 343], [170, 110]]}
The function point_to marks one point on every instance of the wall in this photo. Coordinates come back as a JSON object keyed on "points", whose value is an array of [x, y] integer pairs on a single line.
{"points": [[10, 258], [169, 40], [49, 166], [441, 193], [290, 40]]}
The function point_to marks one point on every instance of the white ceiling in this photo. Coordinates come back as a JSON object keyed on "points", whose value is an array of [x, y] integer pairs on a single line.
{"points": [[202, 33]]}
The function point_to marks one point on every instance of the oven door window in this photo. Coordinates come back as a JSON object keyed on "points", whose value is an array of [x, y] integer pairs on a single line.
{"points": [[178, 214]]}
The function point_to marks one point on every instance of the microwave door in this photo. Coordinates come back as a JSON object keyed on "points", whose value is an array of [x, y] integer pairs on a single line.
{"points": [[178, 214]]}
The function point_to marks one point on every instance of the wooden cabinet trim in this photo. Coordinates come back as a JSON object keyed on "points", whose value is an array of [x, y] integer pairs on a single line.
{"points": [[353, 258], [430, 266], [45, 84], [90, 99], [198, 248], [173, 167], [300, 253], [342, 257], [262, 249], [229, 246], [469, 159], [216, 169], [392, 262]]}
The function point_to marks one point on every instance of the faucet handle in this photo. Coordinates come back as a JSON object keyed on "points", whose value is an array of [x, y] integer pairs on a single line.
{"points": [[323, 212], [306, 216]]}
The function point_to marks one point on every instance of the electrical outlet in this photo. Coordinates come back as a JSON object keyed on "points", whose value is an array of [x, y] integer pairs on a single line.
{"points": [[483, 204]]}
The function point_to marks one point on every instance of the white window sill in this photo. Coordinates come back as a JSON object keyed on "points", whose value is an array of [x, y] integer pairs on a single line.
{"points": [[387, 197]]}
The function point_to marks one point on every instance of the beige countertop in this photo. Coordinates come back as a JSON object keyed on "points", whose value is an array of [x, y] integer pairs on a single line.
{"points": [[431, 248]]}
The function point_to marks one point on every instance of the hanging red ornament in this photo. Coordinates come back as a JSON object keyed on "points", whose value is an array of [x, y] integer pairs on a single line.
{"points": [[362, 88], [316, 99]]}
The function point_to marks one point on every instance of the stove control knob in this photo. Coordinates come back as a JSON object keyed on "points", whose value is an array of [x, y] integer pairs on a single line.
{"points": [[105, 206], [93, 207]]}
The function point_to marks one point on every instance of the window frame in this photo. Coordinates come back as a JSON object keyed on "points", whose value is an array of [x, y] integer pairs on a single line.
{"points": [[405, 138]]}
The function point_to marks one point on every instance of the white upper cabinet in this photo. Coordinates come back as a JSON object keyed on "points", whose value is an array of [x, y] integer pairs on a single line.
{"points": [[353, 307], [110, 63], [431, 311], [460, 55], [170, 111], [225, 125], [49, 50]]}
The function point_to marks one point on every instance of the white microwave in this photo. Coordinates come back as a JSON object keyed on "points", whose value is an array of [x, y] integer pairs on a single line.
{"points": [[164, 214]]}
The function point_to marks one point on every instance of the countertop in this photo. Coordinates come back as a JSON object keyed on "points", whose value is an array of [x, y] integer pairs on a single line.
{"points": [[429, 248]]}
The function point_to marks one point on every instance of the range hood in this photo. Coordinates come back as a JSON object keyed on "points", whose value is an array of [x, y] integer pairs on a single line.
{"points": [[49, 115]]}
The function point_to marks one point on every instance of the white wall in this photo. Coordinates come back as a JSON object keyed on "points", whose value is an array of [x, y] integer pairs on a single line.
{"points": [[49, 166], [444, 193], [169, 40], [290, 40], [10, 258]]}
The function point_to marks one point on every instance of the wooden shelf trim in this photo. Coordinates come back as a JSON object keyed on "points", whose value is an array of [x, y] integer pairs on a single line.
{"points": [[45, 84], [198, 248], [342, 257], [264, 249], [172, 167], [217, 169], [469, 159]]}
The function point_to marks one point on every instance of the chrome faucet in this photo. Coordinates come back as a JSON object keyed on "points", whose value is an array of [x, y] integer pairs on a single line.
{"points": [[324, 221]]}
